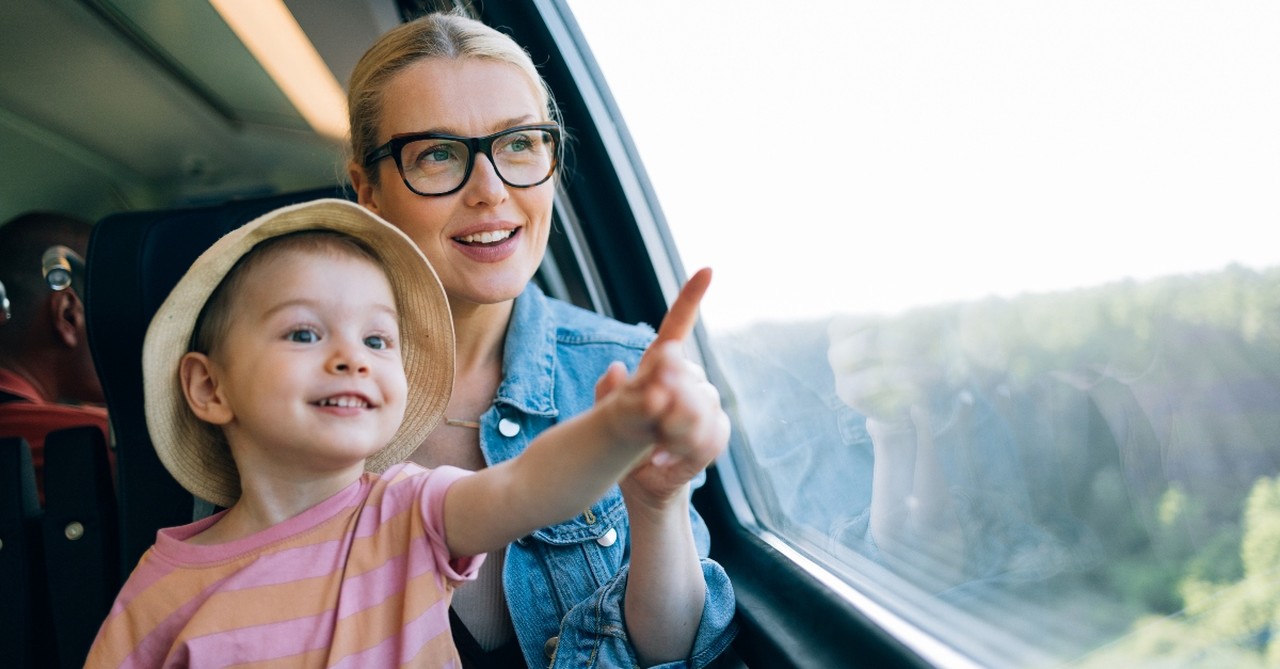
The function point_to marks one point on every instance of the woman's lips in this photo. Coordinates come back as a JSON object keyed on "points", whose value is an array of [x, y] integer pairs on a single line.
{"points": [[488, 245]]}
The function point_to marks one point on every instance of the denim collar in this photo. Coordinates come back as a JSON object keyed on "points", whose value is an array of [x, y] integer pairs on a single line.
{"points": [[529, 356]]}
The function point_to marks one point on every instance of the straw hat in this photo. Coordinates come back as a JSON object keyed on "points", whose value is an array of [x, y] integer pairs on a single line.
{"points": [[193, 451]]}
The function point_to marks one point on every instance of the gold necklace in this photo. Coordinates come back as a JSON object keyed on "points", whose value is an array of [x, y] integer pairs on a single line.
{"points": [[458, 422]]}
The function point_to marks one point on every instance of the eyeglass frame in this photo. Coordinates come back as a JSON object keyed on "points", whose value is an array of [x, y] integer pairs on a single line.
{"points": [[476, 145]]}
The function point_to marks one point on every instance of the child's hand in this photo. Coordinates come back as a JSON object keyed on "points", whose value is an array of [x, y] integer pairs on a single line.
{"points": [[669, 403]]}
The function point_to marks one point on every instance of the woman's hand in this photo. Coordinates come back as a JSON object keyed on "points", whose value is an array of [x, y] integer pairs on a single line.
{"points": [[681, 408], [666, 590]]}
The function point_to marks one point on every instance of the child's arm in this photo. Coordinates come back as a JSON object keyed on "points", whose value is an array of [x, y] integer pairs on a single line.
{"points": [[667, 402]]}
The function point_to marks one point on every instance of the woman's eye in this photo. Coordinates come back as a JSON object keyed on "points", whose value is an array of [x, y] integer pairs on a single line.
{"points": [[377, 342], [516, 144], [434, 155], [303, 336]]}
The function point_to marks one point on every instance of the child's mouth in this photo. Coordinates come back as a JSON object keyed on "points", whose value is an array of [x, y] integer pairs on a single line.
{"points": [[344, 401]]}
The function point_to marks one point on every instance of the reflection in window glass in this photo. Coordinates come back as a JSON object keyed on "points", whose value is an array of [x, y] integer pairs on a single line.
{"points": [[997, 303]]}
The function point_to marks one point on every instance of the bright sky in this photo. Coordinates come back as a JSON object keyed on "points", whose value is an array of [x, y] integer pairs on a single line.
{"points": [[870, 156]]}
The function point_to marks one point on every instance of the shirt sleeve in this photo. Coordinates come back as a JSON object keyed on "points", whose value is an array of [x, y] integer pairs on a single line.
{"points": [[455, 569]]}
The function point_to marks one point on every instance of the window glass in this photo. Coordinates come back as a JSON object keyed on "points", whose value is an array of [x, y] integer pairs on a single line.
{"points": [[997, 302]]}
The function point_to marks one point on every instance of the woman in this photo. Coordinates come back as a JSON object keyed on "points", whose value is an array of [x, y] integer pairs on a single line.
{"points": [[619, 585]]}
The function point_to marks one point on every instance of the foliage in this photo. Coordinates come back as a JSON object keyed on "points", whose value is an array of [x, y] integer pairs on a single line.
{"points": [[1146, 420]]}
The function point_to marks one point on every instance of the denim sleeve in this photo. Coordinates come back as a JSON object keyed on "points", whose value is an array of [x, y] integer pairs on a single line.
{"points": [[593, 634]]}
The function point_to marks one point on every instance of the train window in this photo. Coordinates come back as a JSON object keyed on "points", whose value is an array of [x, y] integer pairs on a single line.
{"points": [[997, 304]]}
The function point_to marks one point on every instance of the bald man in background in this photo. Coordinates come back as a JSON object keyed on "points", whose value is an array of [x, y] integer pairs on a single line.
{"points": [[47, 378]]}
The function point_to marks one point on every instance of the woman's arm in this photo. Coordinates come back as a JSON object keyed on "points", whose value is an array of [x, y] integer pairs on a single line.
{"points": [[666, 590]]}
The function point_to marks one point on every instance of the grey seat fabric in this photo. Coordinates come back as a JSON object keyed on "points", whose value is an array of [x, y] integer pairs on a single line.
{"points": [[134, 260]]}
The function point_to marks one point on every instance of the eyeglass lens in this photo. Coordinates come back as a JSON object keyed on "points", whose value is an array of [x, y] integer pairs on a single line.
{"points": [[522, 158]]}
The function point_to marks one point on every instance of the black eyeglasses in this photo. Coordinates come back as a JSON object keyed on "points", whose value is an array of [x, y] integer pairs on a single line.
{"points": [[432, 163]]}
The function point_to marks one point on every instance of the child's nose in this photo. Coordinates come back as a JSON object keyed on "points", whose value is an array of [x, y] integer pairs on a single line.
{"points": [[349, 359]]}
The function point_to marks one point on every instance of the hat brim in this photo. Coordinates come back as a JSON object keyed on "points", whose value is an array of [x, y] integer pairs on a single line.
{"points": [[189, 448]]}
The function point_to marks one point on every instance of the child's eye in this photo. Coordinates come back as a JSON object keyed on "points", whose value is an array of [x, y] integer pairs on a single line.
{"points": [[303, 336], [377, 342]]}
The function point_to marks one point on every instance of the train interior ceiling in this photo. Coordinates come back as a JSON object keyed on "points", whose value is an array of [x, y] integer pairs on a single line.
{"points": [[115, 105]]}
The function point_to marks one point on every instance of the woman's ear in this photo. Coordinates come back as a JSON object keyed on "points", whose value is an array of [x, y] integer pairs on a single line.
{"points": [[200, 386], [361, 185]]}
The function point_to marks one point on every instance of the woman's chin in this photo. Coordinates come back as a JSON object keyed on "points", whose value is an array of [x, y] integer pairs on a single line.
{"points": [[489, 290]]}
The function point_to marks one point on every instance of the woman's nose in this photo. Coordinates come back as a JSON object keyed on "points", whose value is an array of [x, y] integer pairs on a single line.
{"points": [[484, 186]]}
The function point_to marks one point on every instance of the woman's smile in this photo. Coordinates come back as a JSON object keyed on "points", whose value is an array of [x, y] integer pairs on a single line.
{"points": [[489, 245]]}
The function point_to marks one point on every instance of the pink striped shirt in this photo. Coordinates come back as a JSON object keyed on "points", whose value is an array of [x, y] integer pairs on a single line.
{"points": [[362, 579]]}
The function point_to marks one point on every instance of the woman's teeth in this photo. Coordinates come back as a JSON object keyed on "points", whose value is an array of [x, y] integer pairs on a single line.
{"points": [[486, 237]]}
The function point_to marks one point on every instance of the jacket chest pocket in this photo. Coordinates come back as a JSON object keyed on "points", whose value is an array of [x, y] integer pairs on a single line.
{"points": [[593, 543]]}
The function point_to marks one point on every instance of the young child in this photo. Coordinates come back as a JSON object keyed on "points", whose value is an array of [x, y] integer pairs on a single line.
{"points": [[297, 362]]}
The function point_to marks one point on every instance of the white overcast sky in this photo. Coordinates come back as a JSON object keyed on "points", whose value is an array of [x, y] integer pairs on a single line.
{"points": [[870, 156]]}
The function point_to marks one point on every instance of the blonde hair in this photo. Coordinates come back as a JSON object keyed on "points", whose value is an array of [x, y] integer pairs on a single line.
{"points": [[450, 36]]}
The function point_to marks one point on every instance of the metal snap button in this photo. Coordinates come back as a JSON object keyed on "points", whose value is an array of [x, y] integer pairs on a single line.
{"points": [[608, 538], [508, 427], [549, 648], [74, 530]]}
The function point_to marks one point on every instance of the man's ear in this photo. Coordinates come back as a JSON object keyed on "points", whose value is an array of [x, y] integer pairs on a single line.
{"points": [[68, 317], [200, 386], [361, 185]]}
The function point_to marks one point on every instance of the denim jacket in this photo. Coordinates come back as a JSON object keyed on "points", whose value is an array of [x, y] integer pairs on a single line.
{"points": [[565, 583]]}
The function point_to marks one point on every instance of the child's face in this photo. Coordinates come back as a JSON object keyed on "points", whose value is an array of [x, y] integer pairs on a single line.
{"points": [[310, 368]]}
